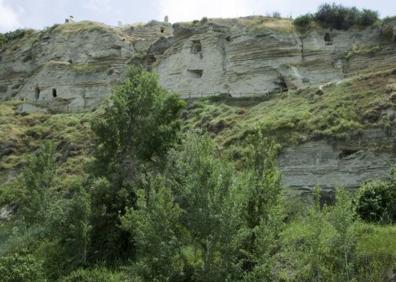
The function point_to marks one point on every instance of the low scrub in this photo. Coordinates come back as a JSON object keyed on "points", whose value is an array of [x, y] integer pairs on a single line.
{"points": [[338, 17], [377, 201]]}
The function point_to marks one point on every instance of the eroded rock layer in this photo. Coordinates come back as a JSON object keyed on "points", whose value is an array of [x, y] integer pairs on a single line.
{"points": [[73, 67]]}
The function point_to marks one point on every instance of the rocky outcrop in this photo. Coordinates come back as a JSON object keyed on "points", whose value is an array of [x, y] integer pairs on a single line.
{"points": [[330, 164], [71, 67], [229, 57]]}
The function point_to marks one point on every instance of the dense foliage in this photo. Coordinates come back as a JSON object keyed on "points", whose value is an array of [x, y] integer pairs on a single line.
{"points": [[12, 35], [377, 201], [2, 39], [159, 204], [137, 127], [338, 17]]}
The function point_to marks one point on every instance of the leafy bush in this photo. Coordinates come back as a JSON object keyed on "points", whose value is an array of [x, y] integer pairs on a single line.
{"points": [[68, 228], [21, 268], [304, 21], [94, 275], [37, 178], [320, 245], [387, 32], [276, 15], [16, 34], [367, 17], [377, 201], [3, 40], [338, 17]]}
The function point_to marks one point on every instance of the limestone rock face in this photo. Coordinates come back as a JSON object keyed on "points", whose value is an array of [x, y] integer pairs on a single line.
{"points": [[338, 164], [72, 67], [230, 57]]}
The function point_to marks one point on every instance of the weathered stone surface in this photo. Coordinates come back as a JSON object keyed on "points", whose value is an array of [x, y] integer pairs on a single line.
{"points": [[26, 108], [250, 56], [235, 60], [73, 66], [343, 163], [7, 212]]}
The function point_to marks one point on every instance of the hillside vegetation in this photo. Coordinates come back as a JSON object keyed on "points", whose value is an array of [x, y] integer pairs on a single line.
{"points": [[146, 188]]}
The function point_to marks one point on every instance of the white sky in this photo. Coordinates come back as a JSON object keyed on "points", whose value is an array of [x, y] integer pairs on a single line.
{"points": [[41, 13]]}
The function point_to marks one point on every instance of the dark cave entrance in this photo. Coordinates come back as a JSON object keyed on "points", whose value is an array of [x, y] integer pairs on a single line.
{"points": [[196, 47], [346, 153], [328, 40], [195, 73], [54, 94], [37, 93]]}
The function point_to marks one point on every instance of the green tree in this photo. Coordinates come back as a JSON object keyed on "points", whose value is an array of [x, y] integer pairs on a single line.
{"points": [[135, 130], [262, 212], [376, 201], [68, 232], [156, 227], [321, 244], [303, 22], [204, 187], [21, 268], [342, 216], [306, 246], [37, 179], [2, 40]]}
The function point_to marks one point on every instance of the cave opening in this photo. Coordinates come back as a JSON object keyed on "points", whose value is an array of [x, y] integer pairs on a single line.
{"points": [[327, 38], [346, 153], [162, 29], [37, 93], [196, 73], [282, 85], [54, 94], [196, 47]]}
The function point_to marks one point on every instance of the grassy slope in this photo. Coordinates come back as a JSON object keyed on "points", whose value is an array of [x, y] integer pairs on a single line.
{"points": [[339, 112], [21, 135]]}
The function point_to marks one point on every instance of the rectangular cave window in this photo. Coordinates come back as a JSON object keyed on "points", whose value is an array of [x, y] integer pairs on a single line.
{"points": [[37, 93], [54, 94], [196, 47], [346, 153], [195, 73], [327, 38]]}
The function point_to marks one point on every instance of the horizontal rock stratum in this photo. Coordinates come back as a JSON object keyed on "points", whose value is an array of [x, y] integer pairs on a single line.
{"points": [[71, 67]]}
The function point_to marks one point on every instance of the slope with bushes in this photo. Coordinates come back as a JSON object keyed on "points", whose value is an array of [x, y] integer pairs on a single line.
{"points": [[159, 200]]}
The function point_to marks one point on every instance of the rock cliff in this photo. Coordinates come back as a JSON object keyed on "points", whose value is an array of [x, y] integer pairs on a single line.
{"points": [[73, 67]]}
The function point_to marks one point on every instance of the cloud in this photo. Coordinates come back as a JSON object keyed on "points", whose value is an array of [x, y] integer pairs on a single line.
{"points": [[9, 19], [187, 10], [97, 5]]}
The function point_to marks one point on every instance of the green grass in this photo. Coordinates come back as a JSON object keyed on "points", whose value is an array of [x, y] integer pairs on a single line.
{"points": [[25, 133], [362, 50], [89, 68], [82, 26], [378, 240], [340, 112], [261, 24]]}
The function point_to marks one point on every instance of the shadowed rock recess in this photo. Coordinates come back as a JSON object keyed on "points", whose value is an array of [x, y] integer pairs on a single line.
{"points": [[73, 67]]}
